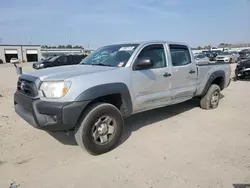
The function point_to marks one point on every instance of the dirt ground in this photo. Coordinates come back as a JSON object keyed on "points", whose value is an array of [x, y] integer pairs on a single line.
{"points": [[172, 147]]}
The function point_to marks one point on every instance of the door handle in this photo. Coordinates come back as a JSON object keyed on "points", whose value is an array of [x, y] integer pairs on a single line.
{"points": [[166, 74], [191, 72]]}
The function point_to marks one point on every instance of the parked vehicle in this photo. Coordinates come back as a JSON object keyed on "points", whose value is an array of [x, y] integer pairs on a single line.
{"points": [[14, 60], [211, 54], [59, 61], [95, 96], [244, 54], [243, 68], [201, 59], [227, 57]]}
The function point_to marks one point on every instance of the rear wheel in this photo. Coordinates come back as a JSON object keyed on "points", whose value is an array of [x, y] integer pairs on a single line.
{"points": [[211, 99], [100, 129]]}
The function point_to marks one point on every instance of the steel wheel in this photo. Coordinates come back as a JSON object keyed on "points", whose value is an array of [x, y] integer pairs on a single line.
{"points": [[104, 130], [215, 99]]}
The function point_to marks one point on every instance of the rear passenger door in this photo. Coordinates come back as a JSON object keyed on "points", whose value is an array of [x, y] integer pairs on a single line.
{"points": [[184, 73], [76, 59]]}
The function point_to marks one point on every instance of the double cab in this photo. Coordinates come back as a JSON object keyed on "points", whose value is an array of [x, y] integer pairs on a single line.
{"points": [[113, 83]]}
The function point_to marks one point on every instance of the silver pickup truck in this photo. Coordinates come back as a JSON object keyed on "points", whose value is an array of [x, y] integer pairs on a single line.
{"points": [[115, 82]]}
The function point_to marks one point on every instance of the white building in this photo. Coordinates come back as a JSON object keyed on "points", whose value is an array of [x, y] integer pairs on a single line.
{"points": [[26, 53]]}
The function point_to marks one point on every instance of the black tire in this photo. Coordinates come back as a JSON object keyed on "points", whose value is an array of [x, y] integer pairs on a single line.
{"points": [[84, 130], [206, 101]]}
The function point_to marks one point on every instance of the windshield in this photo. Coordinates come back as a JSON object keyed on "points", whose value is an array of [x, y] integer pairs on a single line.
{"points": [[225, 53], [200, 56], [113, 55], [53, 59]]}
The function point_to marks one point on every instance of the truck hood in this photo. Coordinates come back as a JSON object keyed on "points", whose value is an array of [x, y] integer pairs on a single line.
{"points": [[64, 72]]}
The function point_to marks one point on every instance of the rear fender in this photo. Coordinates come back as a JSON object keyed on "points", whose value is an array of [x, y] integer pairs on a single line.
{"points": [[213, 76]]}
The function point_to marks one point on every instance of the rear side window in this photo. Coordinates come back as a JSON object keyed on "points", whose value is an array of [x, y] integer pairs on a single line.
{"points": [[180, 55]]}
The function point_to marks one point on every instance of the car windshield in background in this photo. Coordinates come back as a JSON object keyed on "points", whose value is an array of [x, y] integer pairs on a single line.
{"points": [[53, 59], [225, 53], [113, 55], [200, 56]]}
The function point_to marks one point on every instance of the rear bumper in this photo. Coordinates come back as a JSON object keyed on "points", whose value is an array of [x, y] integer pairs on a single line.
{"points": [[52, 116]]}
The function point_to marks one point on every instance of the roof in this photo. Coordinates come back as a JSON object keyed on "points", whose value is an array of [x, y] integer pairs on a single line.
{"points": [[150, 42], [19, 45]]}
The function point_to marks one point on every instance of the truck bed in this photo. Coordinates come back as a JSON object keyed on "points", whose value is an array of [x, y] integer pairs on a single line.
{"points": [[206, 72]]}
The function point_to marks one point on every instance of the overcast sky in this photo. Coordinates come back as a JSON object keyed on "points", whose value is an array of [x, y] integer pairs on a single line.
{"points": [[99, 22]]}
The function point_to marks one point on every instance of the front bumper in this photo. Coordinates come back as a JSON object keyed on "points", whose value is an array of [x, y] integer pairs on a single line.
{"points": [[52, 116], [242, 71]]}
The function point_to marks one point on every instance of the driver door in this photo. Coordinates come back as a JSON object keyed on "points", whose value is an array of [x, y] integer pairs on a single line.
{"points": [[151, 86]]}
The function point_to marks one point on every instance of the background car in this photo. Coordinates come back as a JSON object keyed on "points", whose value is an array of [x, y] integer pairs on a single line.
{"points": [[227, 57], [14, 60], [201, 58], [243, 68], [212, 54], [243, 54], [59, 61]]}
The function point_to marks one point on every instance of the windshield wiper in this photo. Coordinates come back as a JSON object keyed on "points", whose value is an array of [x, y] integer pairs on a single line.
{"points": [[101, 64]]}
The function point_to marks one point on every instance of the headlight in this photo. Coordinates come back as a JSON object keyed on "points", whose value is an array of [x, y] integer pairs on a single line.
{"points": [[55, 89], [41, 65]]}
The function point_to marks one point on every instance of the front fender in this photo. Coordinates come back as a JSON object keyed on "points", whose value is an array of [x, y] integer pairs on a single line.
{"points": [[109, 89]]}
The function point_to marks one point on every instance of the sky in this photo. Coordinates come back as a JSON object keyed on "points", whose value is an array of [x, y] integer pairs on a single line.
{"points": [[93, 23]]}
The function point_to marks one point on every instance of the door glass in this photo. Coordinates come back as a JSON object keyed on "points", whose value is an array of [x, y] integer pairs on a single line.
{"points": [[62, 59], [180, 55], [157, 55]]}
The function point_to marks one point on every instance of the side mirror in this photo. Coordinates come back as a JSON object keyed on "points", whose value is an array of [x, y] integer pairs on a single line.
{"points": [[143, 63]]}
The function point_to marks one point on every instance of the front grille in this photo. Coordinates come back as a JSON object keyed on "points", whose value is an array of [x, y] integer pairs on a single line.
{"points": [[27, 87], [220, 61]]}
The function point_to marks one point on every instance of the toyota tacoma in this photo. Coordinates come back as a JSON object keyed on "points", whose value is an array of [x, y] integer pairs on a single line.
{"points": [[112, 83]]}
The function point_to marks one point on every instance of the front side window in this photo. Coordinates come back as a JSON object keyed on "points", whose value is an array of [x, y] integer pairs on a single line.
{"points": [[156, 54], [62, 59], [113, 55], [180, 55]]}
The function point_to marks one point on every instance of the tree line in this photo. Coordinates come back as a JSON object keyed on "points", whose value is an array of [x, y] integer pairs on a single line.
{"points": [[224, 45], [62, 46]]}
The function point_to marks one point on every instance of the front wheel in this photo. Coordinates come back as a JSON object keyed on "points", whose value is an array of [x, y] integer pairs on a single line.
{"points": [[100, 128], [211, 99]]}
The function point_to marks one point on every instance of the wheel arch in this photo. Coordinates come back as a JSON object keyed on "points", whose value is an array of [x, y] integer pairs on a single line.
{"points": [[218, 78], [114, 93]]}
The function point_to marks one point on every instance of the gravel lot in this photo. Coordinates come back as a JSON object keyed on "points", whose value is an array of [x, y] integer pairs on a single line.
{"points": [[172, 147]]}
